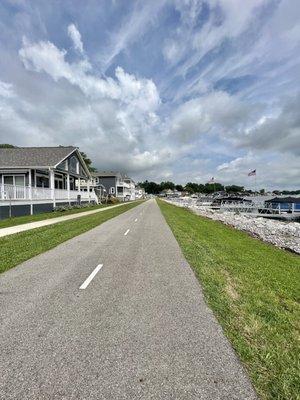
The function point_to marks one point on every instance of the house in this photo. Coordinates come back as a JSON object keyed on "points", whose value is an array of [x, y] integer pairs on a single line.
{"points": [[139, 192], [36, 179], [116, 184]]}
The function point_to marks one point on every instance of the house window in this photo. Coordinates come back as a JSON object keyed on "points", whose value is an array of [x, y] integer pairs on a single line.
{"points": [[8, 180], [74, 165], [112, 190], [17, 180]]}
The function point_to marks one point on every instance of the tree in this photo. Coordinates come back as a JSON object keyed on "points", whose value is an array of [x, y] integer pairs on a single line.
{"points": [[150, 187], [213, 187], [192, 187], [234, 189], [179, 188], [167, 185], [88, 162], [6, 146], [262, 191]]}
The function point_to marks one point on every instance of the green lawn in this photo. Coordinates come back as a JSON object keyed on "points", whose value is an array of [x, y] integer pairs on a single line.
{"points": [[253, 289], [5, 223], [20, 247]]}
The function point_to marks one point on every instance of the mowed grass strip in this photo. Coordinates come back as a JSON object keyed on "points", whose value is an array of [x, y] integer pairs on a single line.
{"points": [[6, 223], [253, 289], [20, 247]]}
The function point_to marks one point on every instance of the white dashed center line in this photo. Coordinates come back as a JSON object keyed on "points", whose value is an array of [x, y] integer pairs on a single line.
{"points": [[91, 277], [126, 233]]}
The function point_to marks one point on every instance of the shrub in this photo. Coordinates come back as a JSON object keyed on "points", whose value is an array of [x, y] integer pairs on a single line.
{"points": [[67, 207], [113, 200]]}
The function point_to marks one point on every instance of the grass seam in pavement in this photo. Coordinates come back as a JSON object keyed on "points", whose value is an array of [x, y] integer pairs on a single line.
{"points": [[17, 248], [253, 289]]}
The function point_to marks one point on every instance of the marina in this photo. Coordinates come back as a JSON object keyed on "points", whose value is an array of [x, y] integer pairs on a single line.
{"points": [[277, 225]]}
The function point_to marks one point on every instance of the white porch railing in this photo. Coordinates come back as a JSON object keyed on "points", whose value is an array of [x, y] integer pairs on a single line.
{"points": [[12, 192]]}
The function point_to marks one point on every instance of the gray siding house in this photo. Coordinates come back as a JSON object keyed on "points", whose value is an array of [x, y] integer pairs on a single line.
{"points": [[116, 184], [36, 179]]}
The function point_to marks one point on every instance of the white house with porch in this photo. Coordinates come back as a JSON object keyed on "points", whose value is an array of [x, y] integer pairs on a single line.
{"points": [[36, 179]]}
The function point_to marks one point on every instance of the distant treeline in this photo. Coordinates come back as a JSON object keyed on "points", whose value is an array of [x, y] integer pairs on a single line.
{"points": [[192, 187]]}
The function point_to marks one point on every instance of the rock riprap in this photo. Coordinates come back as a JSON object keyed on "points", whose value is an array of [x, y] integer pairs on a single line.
{"points": [[282, 234]]}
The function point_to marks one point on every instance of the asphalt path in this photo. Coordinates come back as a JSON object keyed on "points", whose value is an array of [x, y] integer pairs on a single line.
{"points": [[115, 313]]}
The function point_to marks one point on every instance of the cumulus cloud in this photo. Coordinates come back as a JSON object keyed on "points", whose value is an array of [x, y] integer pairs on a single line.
{"points": [[6, 90], [76, 37], [113, 118], [221, 101], [46, 57], [271, 171], [280, 132], [214, 111]]}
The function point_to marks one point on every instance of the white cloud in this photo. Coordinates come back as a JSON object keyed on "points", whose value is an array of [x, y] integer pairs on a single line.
{"points": [[279, 172], [75, 35], [142, 17], [279, 132], [6, 90], [46, 57], [52, 97], [216, 110]]}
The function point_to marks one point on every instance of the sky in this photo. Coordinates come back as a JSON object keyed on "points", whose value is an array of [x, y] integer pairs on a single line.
{"points": [[180, 90]]}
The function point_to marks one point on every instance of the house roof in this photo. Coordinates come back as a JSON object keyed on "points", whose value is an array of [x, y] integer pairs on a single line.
{"points": [[110, 174], [106, 173], [25, 157]]}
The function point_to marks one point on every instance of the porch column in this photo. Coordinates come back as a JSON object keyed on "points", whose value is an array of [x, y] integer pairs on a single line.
{"points": [[88, 189], [30, 191], [2, 188], [52, 185], [68, 186], [78, 187]]}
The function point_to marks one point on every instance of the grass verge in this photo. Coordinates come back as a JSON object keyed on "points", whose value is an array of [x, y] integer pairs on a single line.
{"points": [[5, 223], [17, 248], [253, 289]]}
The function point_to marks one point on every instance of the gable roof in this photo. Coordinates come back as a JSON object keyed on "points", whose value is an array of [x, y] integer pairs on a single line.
{"points": [[25, 157], [105, 173], [112, 174]]}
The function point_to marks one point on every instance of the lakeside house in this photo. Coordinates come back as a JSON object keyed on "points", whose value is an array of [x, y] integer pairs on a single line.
{"points": [[36, 179], [116, 184]]}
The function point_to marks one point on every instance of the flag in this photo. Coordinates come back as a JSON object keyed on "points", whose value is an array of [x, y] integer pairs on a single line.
{"points": [[252, 173]]}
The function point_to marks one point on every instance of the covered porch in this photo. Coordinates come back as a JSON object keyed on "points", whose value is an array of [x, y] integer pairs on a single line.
{"points": [[52, 185]]}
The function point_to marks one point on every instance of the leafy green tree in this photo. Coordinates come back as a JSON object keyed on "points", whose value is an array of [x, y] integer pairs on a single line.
{"points": [[234, 189], [6, 146], [179, 188], [88, 162], [167, 185], [213, 187], [150, 187]]}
